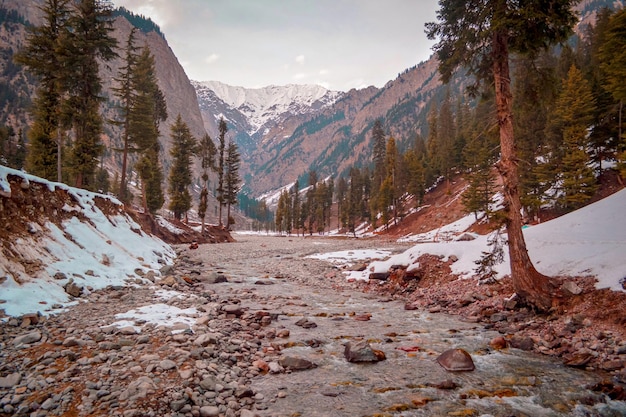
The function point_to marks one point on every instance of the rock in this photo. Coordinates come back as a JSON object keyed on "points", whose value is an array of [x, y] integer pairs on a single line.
{"points": [[579, 360], [167, 364], [10, 380], [261, 365], [60, 275], [169, 280], [456, 360], [453, 258], [233, 309], [30, 319], [294, 363], [511, 302], [206, 339], [213, 278], [358, 267], [522, 342], [572, 288], [305, 323], [380, 276], [209, 411], [362, 352], [276, 368], [73, 289], [447, 384], [498, 343], [27, 339], [140, 388], [208, 384], [466, 237]]}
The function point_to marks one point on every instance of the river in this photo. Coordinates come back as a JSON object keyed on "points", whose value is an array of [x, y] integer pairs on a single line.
{"points": [[409, 382]]}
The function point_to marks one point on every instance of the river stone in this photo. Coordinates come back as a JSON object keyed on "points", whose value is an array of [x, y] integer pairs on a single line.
{"points": [[362, 352], [27, 338], [296, 364], [10, 380], [233, 309], [209, 411], [522, 342], [456, 360], [213, 278]]}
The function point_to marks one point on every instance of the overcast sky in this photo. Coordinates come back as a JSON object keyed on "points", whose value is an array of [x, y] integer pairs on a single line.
{"points": [[340, 44]]}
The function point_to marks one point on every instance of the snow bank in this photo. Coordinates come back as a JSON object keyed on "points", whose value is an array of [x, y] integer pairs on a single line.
{"points": [[588, 242], [95, 253]]}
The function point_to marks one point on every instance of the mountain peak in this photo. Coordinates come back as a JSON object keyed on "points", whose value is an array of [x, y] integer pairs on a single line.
{"points": [[267, 104]]}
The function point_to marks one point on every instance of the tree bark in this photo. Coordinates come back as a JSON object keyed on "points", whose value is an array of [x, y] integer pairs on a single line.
{"points": [[533, 287]]}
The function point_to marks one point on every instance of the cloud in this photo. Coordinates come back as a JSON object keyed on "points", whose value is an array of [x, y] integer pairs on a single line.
{"points": [[300, 59], [211, 58]]}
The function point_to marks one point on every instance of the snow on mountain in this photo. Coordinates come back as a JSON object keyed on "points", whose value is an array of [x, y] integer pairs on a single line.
{"points": [[266, 104]]}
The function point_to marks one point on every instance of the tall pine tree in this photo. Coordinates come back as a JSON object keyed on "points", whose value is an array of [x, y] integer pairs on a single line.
{"points": [[479, 36], [183, 149], [41, 57], [574, 115], [81, 48], [232, 180], [148, 109]]}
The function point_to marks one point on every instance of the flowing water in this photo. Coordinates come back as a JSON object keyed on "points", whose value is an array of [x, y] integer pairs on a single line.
{"points": [[409, 382]]}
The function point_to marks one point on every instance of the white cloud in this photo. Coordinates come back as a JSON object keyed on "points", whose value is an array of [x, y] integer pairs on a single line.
{"points": [[211, 58], [300, 59]]}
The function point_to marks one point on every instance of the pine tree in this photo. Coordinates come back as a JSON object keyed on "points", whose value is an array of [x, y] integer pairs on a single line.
{"points": [[479, 158], [232, 179], [604, 134], [613, 63], [81, 48], [479, 35], [445, 139], [207, 153], [378, 155], [183, 149], [221, 190], [148, 109], [40, 56], [534, 93], [574, 115], [295, 206], [124, 92]]}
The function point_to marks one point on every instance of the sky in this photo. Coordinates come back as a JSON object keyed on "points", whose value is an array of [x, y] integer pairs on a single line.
{"points": [[339, 44]]}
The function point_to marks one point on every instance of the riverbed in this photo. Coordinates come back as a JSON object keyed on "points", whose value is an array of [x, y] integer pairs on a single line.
{"points": [[409, 382]]}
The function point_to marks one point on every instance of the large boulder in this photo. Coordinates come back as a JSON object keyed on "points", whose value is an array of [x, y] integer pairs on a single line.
{"points": [[456, 360]]}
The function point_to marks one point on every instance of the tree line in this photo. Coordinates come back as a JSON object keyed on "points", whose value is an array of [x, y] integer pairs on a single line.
{"points": [[64, 142]]}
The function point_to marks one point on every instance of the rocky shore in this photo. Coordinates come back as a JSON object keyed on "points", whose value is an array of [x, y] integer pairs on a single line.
{"points": [[262, 329]]}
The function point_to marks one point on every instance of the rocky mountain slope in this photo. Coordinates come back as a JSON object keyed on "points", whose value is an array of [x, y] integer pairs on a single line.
{"points": [[328, 138]]}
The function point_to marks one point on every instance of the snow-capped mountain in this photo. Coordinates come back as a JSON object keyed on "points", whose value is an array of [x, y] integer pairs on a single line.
{"points": [[256, 110]]}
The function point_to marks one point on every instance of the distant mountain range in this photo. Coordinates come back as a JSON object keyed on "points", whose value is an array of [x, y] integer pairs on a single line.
{"points": [[285, 131]]}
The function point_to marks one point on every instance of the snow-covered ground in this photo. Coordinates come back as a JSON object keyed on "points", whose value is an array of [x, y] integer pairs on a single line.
{"points": [[94, 254], [588, 242]]}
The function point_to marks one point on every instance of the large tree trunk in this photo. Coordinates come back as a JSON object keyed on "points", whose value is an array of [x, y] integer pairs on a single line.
{"points": [[532, 286]]}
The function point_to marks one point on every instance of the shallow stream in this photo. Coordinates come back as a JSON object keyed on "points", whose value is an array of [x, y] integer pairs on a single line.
{"points": [[409, 382]]}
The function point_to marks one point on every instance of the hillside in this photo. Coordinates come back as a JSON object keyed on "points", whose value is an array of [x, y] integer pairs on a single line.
{"points": [[53, 235]]}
